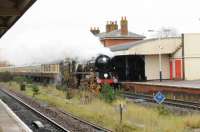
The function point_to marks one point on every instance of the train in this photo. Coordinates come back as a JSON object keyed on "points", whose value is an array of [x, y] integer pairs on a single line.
{"points": [[98, 70]]}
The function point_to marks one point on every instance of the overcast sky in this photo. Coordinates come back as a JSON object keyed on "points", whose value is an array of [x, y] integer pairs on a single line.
{"points": [[59, 20], [142, 14]]}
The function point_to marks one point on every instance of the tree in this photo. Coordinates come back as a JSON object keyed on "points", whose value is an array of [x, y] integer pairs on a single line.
{"points": [[165, 32]]}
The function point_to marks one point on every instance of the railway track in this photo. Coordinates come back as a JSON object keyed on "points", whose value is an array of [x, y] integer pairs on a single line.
{"points": [[172, 102], [94, 127], [97, 127], [28, 114]]}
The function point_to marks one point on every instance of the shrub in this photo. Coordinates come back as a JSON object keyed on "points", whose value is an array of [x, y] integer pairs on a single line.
{"points": [[23, 86], [61, 87], [58, 87], [28, 80], [107, 93], [69, 93], [19, 79], [35, 90], [162, 110], [6, 76]]}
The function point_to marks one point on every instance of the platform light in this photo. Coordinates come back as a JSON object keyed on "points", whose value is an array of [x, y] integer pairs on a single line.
{"points": [[105, 75]]}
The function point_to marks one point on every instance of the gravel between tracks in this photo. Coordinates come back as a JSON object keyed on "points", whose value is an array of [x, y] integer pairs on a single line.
{"points": [[55, 114], [27, 115]]}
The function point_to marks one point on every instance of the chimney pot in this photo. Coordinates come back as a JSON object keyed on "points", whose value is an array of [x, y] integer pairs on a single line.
{"points": [[94, 30], [124, 26], [108, 27], [116, 25]]}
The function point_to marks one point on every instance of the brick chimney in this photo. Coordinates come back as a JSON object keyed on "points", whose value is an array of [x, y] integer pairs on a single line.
{"points": [[98, 30], [116, 25], [95, 30], [124, 26], [112, 27], [107, 27]]}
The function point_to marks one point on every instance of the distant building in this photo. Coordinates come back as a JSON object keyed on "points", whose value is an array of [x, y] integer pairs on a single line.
{"points": [[115, 36]]}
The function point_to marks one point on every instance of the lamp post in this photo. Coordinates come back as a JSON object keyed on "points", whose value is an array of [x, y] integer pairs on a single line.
{"points": [[159, 55], [160, 62]]}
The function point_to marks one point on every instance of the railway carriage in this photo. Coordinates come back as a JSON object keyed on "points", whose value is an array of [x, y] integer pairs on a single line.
{"points": [[99, 70]]}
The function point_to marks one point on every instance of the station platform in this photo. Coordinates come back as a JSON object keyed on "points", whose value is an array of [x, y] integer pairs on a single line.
{"points": [[9, 122], [194, 84], [168, 86]]}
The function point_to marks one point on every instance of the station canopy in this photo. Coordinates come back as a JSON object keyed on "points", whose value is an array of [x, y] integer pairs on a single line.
{"points": [[148, 47], [11, 11]]}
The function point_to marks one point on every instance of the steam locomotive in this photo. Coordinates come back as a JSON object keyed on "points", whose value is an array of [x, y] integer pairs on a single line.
{"points": [[99, 71], [105, 70]]}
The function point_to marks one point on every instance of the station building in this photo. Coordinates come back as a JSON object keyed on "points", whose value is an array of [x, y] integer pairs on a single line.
{"points": [[114, 36], [137, 58], [139, 61]]}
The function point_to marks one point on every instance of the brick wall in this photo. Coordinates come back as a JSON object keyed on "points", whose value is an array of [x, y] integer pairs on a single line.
{"points": [[111, 42]]}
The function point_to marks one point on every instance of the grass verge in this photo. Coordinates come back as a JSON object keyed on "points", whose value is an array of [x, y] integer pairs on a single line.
{"points": [[135, 118]]}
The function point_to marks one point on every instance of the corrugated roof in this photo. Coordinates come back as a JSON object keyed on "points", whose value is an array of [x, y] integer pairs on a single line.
{"points": [[117, 34]]}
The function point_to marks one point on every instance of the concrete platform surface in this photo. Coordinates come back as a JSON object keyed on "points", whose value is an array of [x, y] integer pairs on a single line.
{"points": [[172, 83], [9, 122]]}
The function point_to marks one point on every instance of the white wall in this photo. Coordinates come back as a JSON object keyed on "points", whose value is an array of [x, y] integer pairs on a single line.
{"points": [[177, 54], [192, 56], [192, 68], [149, 47], [152, 67]]}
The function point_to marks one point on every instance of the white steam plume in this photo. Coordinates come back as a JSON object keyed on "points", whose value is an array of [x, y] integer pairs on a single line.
{"points": [[47, 41]]}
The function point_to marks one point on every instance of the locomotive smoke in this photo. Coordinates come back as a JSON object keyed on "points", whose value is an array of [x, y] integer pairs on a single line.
{"points": [[32, 41]]}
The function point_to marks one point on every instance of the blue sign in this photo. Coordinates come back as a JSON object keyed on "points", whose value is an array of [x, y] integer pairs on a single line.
{"points": [[159, 97]]}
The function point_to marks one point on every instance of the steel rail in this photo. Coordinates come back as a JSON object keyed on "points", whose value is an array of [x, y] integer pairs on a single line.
{"points": [[35, 111], [97, 127], [101, 129], [174, 102]]}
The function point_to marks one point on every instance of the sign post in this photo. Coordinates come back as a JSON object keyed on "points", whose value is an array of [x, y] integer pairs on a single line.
{"points": [[159, 98], [120, 110]]}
